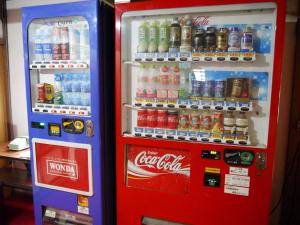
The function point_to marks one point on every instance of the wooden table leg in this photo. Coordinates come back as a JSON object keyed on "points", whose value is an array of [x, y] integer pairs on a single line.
{"points": [[2, 213]]}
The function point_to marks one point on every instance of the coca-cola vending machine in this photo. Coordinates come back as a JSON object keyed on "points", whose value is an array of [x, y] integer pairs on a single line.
{"points": [[197, 91]]}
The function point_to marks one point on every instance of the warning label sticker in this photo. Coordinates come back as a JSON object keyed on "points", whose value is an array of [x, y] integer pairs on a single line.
{"points": [[238, 171], [235, 180], [236, 190]]}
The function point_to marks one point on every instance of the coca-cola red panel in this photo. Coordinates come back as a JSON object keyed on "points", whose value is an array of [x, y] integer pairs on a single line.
{"points": [[63, 168], [158, 169]]}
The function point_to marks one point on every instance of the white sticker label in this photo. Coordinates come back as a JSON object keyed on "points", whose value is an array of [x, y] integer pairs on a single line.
{"points": [[50, 213], [236, 190], [238, 171], [235, 180], [84, 210]]}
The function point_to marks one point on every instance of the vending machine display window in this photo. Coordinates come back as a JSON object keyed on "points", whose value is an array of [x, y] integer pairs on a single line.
{"points": [[197, 74], [59, 58]]}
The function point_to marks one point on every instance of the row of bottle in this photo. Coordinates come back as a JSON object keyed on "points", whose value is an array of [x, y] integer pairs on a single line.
{"points": [[182, 37], [173, 82], [205, 121], [53, 42], [68, 89]]}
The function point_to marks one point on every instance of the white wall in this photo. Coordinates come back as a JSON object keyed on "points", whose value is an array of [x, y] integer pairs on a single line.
{"points": [[18, 113], [16, 75]]}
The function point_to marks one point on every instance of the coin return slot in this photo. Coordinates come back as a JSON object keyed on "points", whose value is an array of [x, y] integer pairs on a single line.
{"points": [[153, 221]]}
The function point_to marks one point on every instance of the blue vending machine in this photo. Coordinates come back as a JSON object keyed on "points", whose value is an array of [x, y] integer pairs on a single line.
{"points": [[69, 55]]}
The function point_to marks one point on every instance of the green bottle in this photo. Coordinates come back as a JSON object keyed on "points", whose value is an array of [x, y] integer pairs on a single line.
{"points": [[164, 37], [143, 37], [153, 37]]}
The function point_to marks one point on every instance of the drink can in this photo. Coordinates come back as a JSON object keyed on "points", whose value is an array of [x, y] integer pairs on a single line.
{"points": [[217, 122], [142, 117], [49, 93], [162, 118], [47, 43], [210, 39], [74, 43], [220, 89], [195, 120], [84, 44], [163, 79], [234, 40], [41, 93], [205, 122], [197, 88], [58, 98], [56, 47], [245, 92], [38, 45], [184, 120], [208, 89], [65, 51], [198, 40], [222, 39], [247, 40], [237, 87], [76, 98], [152, 118], [172, 119], [67, 98], [76, 82], [85, 99]]}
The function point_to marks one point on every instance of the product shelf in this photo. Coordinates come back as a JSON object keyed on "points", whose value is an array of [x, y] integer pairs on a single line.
{"points": [[60, 64], [197, 104], [195, 57], [62, 109], [183, 135]]}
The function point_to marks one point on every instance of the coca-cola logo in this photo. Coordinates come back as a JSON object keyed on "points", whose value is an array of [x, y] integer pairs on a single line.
{"points": [[169, 162], [200, 21]]}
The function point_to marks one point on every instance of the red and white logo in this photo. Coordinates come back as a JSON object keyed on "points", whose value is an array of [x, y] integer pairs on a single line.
{"points": [[200, 21], [168, 170], [63, 169]]}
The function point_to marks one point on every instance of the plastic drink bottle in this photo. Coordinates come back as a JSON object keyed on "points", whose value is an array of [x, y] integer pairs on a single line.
{"points": [[143, 37], [164, 37], [175, 36], [153, 37]]}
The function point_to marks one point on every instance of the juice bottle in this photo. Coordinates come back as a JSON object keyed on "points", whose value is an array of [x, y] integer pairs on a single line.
{"points": [[152, 82], [183, 91], [173, 81]]}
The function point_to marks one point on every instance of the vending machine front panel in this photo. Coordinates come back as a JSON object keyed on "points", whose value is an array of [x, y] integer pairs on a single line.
{"points": [[199, 79]]}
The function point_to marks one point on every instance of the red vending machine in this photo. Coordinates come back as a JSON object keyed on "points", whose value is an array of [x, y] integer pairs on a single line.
{"points": [[197, 91]]}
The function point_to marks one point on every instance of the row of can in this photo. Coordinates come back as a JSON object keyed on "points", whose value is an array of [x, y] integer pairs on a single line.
{"points": [[205, 121]]}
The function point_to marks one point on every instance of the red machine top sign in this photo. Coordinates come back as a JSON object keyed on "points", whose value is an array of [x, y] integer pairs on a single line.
{"points": [[61, 167]]}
